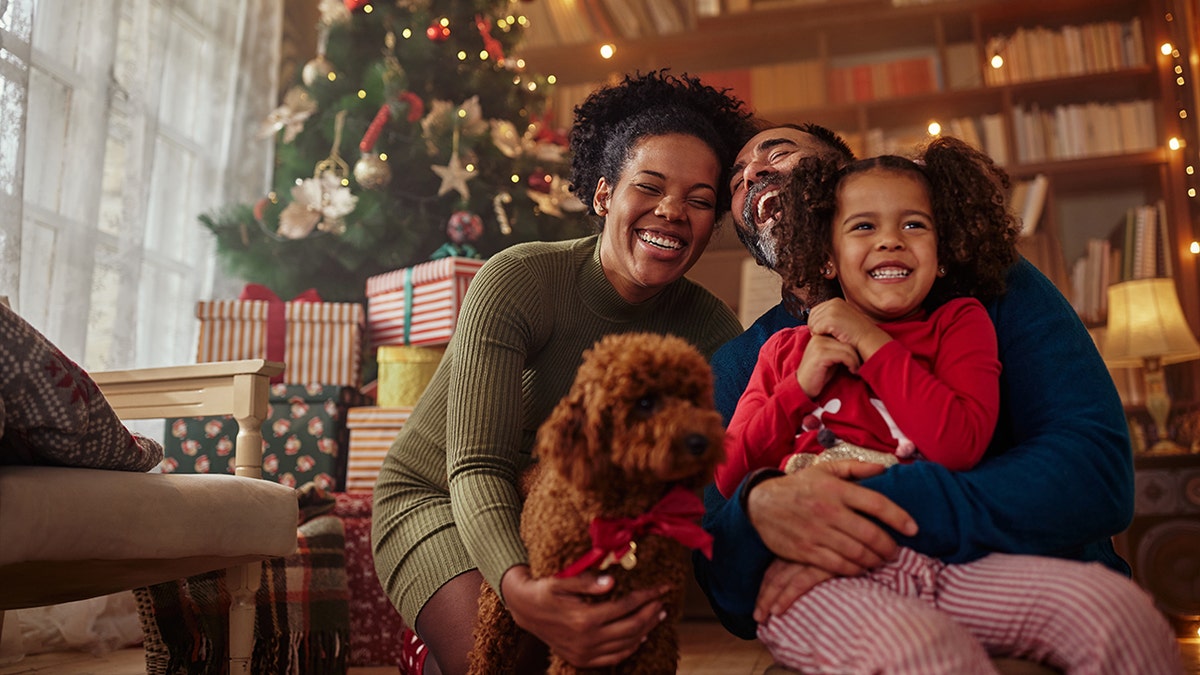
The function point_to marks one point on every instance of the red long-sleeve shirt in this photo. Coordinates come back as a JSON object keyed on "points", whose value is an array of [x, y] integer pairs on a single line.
{"points": [[938, 379]]}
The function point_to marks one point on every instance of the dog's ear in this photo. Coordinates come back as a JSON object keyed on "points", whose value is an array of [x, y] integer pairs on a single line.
{"points": [[562, 434]]}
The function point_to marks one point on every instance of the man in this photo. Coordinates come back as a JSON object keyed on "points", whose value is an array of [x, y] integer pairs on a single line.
{"points": [[1057, 479]]}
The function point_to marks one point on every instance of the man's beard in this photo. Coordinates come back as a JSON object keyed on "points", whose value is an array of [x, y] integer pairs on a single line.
{"points": [[761, 244]]}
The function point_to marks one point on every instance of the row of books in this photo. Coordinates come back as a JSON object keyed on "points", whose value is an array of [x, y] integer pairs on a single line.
{"points": [[1137, 249], [555, 23], [1041, 53], [1084, 130], [885, 79]]}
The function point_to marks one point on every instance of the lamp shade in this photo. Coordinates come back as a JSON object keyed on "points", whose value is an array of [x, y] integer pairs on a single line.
{"points": [[1146, 321]]}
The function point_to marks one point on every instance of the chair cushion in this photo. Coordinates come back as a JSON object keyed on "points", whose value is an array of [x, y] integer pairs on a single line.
{"points": [[51, 412], [66, 514]]}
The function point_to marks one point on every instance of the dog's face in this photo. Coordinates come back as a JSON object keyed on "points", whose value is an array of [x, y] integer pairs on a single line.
{"points": [[640, 412]]}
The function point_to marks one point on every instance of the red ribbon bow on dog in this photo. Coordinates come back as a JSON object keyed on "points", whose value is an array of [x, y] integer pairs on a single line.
{"points": [[673, 516]]}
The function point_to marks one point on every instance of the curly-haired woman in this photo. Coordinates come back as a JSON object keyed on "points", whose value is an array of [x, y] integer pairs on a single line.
{"points": [[650, 159]]}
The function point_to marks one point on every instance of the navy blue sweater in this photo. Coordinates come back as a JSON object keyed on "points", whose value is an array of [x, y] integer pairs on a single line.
{"points": [[1057, 479]]}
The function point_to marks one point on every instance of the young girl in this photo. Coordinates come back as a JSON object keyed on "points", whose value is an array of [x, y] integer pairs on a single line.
{"points": [[900, 364]]}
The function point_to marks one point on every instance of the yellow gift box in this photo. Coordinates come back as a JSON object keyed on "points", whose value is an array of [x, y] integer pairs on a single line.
{"points": [[404, 372]]}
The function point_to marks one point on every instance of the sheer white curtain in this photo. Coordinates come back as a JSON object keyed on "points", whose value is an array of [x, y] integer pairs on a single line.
{"points": [[120, 122]]}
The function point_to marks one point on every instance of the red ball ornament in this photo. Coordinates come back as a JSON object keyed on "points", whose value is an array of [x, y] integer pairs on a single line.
{"points": [[464, 227], [437, 32], [539, 180]]}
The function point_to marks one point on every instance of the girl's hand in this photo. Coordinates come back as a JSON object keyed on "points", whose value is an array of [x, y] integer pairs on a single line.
{"points": [[822, 357], [783, 583], [837, 319], [587, 634]]}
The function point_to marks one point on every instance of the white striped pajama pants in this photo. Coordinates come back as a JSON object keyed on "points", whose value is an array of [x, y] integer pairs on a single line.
{"points": [[918, 615]]}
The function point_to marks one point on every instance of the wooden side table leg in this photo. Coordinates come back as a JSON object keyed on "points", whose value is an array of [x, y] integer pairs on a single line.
{"points": [[243, 582]]}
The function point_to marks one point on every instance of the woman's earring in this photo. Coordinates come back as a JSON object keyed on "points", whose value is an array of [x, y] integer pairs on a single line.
{"points": [[941, 270], [600, 210], [827, 270]]}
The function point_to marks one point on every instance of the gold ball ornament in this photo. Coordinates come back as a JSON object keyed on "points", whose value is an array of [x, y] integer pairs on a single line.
{"points": [[316, 71], [372, 172]]}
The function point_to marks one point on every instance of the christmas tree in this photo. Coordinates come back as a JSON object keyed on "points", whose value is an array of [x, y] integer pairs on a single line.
{"points": [[414, 133]]}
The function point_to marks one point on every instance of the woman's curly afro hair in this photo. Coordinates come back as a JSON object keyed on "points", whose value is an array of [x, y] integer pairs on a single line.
{"points": [[976, 234], [613, 119]]}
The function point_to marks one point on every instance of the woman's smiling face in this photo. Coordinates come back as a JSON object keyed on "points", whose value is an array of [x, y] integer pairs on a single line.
{"points": [[659, 216]]}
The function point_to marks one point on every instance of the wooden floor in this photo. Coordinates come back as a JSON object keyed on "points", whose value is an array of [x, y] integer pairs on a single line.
{"points": [[707, 650]]}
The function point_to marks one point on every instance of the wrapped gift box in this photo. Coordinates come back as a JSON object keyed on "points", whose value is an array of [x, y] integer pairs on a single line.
{"points": [[418, 305], [372, 430], [404, 373], [319, 341], [304, 439]]}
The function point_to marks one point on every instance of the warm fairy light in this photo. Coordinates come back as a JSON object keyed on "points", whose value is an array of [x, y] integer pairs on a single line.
{"points": [[1195, 249], [367, 9], [462, 56], [462, 113], [470, 167], [1192, 192], [445, 21], [997, 62], [406, 33], [1183, 114], [551, 79], [483, 55], [607, 51], [1166, 49], [934, 128], [383, 156], [1178, 70], [1190, 170], [523, 20], [516, 79], [515, 178], [1175, 143], [362, 93], [531, 86], [345, 182], [332, 76], [520, 63], [1179, 81]]}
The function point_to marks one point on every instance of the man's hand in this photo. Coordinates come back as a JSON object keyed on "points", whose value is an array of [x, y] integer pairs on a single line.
{"points": [[783, 583], [838, 320], [587, 634], [819, 518]]}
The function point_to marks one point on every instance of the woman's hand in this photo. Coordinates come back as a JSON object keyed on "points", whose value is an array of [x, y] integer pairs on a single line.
{"points": [[586, 633], [837, 319], [820, 518], [783, 583]]}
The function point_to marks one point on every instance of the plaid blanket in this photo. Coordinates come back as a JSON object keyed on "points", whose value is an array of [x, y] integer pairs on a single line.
{"points": [[302, 622]]}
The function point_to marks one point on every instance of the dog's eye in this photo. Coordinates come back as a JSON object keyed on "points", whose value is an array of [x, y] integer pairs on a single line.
{"points": [[646, 404]]}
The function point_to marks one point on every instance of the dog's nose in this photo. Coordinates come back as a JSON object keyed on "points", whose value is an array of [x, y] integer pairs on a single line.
{"points": [[696, 444]]}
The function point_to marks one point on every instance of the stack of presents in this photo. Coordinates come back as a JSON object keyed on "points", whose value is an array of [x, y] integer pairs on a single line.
{"points": [[323, 428]]}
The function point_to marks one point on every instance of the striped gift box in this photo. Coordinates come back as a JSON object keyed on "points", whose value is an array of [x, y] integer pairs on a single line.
{"points": [[418, 305], [372, 430], [323, 340]]}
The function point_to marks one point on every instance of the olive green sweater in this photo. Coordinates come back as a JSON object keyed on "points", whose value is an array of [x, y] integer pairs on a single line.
{"points": [[529, 314]]}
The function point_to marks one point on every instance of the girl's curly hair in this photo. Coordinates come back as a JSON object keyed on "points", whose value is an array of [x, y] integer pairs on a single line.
{"points": [[976, 234], [613, 119]]}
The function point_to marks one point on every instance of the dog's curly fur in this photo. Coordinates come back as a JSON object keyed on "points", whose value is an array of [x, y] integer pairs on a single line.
{"points": [[638, 420]]}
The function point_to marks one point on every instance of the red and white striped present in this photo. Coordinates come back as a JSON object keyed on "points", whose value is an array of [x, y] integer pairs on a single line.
{"points": [[372, 430], [418, 305], [320, 341]]}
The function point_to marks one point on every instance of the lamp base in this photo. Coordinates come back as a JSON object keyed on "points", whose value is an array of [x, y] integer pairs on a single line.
{"points": [[1165, 447]]}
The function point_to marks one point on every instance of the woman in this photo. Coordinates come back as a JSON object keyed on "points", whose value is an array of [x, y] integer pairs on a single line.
{"points": [[649, 158]]}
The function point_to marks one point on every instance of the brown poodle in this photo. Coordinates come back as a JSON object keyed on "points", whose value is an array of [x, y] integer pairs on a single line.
{"points": [[637, 425]]}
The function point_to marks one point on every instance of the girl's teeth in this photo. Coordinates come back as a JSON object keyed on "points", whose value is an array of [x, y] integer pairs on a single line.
{"points": [[889, 274]]}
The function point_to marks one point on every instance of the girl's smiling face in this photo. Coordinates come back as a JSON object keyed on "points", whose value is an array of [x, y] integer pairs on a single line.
{"points": [[659, 215], [884, 243]]}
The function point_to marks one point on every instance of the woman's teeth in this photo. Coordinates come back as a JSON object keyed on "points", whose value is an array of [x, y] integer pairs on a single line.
{"points": [[669, 243]]}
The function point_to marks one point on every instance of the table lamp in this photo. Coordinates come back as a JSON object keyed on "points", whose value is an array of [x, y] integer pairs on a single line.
{"points": [[1146, 328]]}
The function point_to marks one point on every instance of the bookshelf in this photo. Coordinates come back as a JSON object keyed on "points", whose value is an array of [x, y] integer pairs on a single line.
{"points": [[1085, 99]]}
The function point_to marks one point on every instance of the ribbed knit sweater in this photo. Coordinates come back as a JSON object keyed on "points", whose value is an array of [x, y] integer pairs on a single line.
{"points": [[446, 499]]}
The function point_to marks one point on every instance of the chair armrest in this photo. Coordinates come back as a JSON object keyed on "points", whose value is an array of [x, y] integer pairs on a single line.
{"points": [[238, 388]]}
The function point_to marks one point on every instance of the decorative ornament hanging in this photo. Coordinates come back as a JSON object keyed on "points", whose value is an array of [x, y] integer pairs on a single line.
{"points": [[321, 202], [333, 11], [416, 107], [444, 118], [498, 203], [462, 228], [454, 175], [371, 170], [393, 73], [438, 31], [290, 116], [556, 198], [495, 50], [320, 69]]}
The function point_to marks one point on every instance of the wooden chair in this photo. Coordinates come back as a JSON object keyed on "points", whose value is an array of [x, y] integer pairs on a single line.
{"points": [[70, 533]]}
